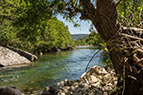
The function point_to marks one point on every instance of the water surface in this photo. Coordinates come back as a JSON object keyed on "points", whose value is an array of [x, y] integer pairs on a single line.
{"points": [[50, 69]]}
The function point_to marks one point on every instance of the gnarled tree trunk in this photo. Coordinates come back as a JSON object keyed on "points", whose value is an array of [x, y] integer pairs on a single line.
{"points": [[124, 44]]}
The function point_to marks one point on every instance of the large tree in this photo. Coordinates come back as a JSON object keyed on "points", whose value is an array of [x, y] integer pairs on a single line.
{"points": [[125, 43]]}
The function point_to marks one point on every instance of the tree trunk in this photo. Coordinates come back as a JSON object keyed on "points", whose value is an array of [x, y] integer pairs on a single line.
{"points": [[124, 44]]}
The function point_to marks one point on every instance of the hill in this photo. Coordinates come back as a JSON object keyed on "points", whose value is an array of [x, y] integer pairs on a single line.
{"points": [[79, 36]]}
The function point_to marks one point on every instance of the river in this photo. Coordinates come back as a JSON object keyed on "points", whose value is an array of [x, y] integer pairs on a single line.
{"points": [[51, 68]]}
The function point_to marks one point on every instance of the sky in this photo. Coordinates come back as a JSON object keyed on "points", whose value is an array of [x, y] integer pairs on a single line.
{"points": [[82, 29]]}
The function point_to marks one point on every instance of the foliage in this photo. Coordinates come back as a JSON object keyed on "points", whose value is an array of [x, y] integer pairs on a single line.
{"points": [[7, 31], [92, 39], [56, 36], [131, 13], [31, 25]]}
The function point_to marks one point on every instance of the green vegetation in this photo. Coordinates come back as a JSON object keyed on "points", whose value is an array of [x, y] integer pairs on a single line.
{"points": [[56, 36], [130, 13], [92, 39], [32, 26]]}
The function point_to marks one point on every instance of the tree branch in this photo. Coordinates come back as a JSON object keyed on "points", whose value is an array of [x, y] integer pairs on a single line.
{"points": [[89, 9], [133, 37]]}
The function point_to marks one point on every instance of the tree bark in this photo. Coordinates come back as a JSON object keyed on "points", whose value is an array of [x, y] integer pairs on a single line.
{"points": [[124, 44], [104, 18]]}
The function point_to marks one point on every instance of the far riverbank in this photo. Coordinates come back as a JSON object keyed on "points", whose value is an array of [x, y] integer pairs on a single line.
{"points": [[87, 46]]}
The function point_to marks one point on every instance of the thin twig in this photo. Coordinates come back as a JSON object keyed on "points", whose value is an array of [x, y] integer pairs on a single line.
{"points": [[140, 15], [140, 24], [91, 59], [133, 37]]}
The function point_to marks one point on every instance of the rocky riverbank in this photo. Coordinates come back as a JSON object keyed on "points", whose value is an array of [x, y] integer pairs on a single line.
{"points": [[12, 57], [97, 81]]}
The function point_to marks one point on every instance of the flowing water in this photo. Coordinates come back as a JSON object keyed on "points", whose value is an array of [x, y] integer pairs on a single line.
{"points": [[51, 68]]}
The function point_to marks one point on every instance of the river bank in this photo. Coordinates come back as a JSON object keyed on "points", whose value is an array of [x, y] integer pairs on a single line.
{"points": [[96, 81], [87, 46]]}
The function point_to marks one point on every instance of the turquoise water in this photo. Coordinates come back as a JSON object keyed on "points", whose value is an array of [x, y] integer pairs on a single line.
{"points": [[51, 68]]}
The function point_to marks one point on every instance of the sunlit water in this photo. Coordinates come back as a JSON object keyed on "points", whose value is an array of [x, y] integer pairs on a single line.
{"points": [[51, 68]]}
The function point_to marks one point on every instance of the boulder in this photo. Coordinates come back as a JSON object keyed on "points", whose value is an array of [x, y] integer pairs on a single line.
{"points": [[9, 57], [23, 53], [11, 91]]}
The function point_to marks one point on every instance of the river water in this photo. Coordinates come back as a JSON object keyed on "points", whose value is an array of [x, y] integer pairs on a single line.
{"points": [[51, 68]]}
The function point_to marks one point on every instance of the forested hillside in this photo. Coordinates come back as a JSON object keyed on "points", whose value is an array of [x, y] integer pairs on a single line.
{"points": [[40, 31], [79, 36]]}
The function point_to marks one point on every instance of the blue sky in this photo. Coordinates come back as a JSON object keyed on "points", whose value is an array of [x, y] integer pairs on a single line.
{"points": [[83, 29]]}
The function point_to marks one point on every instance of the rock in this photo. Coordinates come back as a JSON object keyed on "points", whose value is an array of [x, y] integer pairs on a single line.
{"points": [[75, 84], [83, 75], [41, 54], [108, 88], [18, 89], [11, 91], [107, 78], [58, 83], [58, 50], [62, 83], [99, 70], [97, 81], [25, 54], [69, 82], [66, 89], [98, 84], [66, 82], [45, 91], [9, 57], [84, 86], [93, 79], [62, 93], [105, 93], [54, 89], [72, 88]]}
